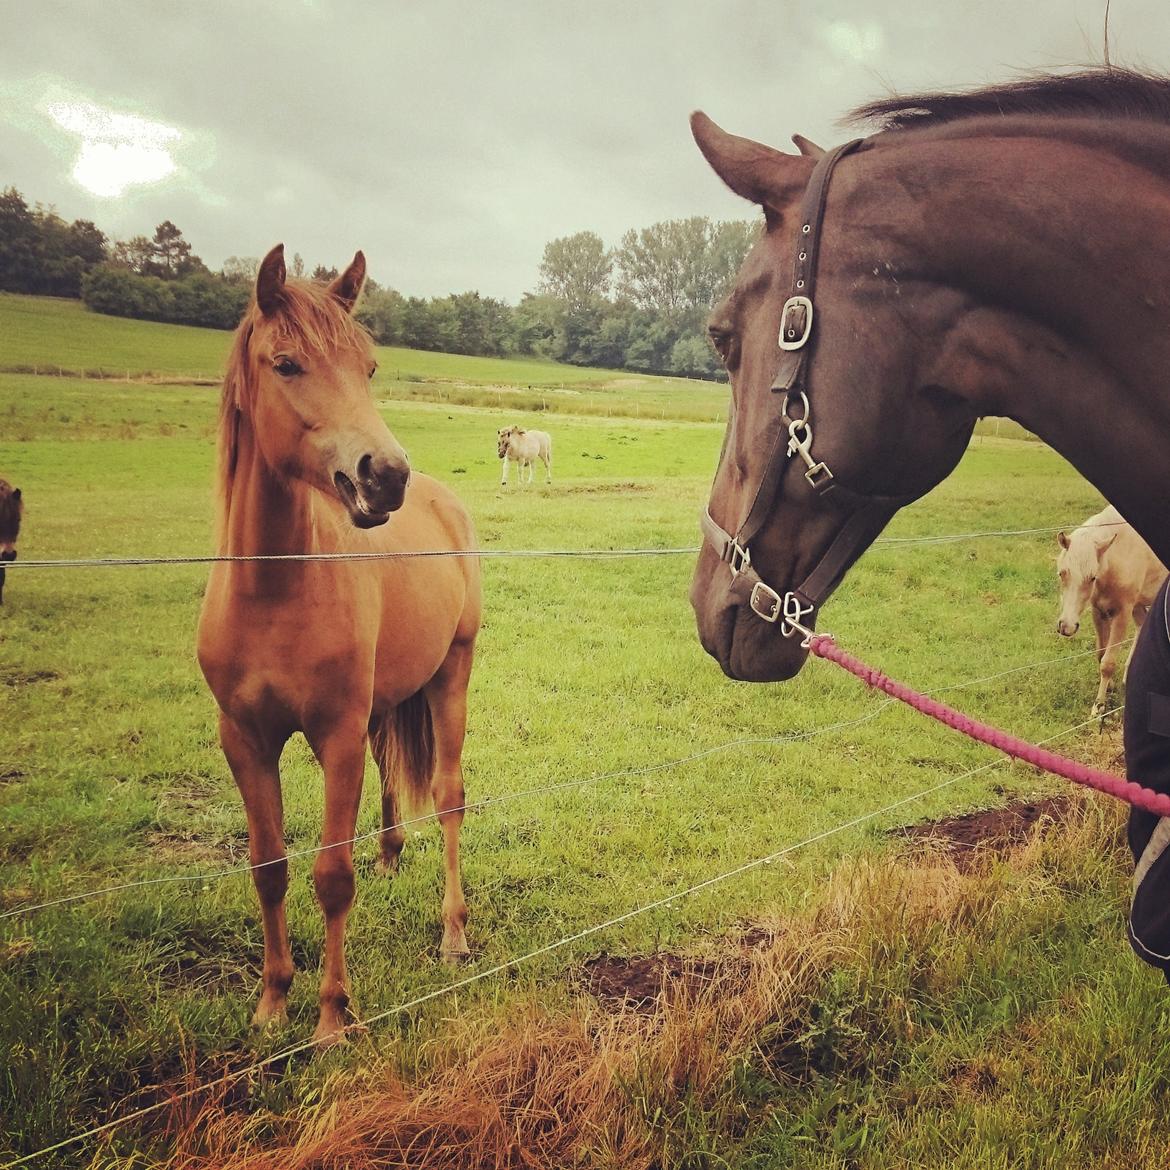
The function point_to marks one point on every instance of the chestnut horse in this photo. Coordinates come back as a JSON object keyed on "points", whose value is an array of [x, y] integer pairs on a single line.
{"points": [[350, 653], [1002, 252]]}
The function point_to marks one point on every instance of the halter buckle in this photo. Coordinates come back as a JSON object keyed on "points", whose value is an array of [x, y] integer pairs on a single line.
{"points": [[738, 557], [775, 602], [795, 322]]}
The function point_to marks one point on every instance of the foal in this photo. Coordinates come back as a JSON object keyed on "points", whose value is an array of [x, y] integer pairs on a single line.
{"points": [[1106, 563], [353, 654], [525, 447]]}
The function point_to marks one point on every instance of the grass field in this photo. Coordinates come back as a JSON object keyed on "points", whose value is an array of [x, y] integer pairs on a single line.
{"points": [[110, 772]]}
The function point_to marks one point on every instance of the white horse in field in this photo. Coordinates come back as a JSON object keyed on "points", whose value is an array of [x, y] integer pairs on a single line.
{"points": [[525, 447], [1106, 563]]}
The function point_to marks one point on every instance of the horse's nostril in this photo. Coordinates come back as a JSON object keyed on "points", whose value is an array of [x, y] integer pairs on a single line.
{"points": [[364, 468]]}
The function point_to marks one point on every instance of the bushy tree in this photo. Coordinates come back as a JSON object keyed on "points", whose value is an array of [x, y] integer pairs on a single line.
{"points": [[576, 269], [40, 253]]}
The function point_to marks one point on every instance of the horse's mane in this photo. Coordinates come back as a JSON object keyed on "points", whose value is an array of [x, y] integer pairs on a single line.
{"points": [[1093, 93], [312, 320]]}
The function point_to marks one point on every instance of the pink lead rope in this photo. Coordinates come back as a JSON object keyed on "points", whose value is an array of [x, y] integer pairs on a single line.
{"points": [[823, 646]]}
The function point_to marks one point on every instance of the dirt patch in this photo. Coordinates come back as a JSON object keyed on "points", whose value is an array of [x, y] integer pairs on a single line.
{"points": [[23, 678], [187, 846], [968, 837], [595, 489], [639, 982]]}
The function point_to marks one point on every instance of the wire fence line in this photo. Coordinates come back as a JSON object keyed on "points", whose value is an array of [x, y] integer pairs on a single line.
{"points": [[559, 786], [490, 553], [518, 960]]}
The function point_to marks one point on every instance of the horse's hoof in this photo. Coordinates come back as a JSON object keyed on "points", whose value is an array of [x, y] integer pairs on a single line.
{"points": [[1098, 711], [454, 950], [269, 1019], [386, 868], [337, 1030]]}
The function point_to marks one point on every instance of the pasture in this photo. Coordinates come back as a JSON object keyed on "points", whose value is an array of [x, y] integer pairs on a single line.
{"points": [[956, 1040]]}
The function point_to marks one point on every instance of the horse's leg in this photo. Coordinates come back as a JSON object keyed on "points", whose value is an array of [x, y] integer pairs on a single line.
{"points": [[504, 475], [256, 768], [531, 469], [1110, 631], [341, 749], [393, 835], [1139, 616], [447, 698], [548, 466]]}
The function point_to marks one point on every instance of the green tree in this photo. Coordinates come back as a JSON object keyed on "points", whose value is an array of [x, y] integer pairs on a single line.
{"points": [[170, 252], [679, 267], [18, 242], [240, 269], [576, 269]]}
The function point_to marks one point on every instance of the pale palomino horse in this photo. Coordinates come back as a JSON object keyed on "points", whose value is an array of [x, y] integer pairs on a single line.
{"points": [[1105, 564], [524, 447], [360, 656]]}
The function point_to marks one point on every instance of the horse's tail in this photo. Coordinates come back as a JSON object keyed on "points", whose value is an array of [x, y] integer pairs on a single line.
{"points": [[403, 744]]}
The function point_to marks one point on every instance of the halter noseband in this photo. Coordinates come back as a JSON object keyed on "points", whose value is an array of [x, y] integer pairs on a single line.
{"points": [[870, 513]]}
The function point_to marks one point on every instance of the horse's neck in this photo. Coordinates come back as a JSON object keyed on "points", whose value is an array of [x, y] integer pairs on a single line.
{"points": [[266, 517], [1075, 342]]}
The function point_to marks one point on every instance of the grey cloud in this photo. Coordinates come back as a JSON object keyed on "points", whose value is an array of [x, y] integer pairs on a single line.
{"points": [[450, 140]]}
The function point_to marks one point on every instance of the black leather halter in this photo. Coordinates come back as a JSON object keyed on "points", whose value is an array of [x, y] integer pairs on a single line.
{"points": [[794, 436]]}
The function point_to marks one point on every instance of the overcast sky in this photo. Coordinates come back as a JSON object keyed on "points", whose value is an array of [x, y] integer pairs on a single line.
{"points": [[451, 139]]}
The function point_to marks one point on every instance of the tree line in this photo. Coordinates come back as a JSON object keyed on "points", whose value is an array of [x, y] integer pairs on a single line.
{"points": [[640, 305]]}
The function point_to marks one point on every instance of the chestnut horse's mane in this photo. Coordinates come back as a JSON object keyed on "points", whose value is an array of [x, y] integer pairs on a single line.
{"points": [[1094, 93], [312, 320]]}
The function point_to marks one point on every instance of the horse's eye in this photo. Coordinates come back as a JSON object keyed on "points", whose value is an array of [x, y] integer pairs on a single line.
{"points": [[720, 339], [286, 367], [373, 369]]}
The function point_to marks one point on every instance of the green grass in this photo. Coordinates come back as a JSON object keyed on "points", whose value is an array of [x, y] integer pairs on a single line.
{"points": [[41, 335], [110, 771]]}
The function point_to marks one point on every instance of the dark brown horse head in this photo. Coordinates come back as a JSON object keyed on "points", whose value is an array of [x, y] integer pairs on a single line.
{"points": [[879, 427], [300, 374], [11, 511]]}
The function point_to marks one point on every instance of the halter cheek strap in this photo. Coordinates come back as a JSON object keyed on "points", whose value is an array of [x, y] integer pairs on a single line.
{"points": [[794, 434]]}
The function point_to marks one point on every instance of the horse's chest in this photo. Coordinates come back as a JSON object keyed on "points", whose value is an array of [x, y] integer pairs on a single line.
{"points": [[260, 658]]}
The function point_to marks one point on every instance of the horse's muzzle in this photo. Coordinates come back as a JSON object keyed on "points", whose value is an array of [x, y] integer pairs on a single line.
{"points": [[377, 489], [745, 646], [1065, 629], [7, 554]]}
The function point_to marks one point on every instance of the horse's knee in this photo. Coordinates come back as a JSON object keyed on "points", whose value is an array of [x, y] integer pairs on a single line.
{"points": [[271, 880], [334, 882]]}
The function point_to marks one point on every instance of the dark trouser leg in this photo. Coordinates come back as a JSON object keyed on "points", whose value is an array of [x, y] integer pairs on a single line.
{"points": [[1147, 761]]}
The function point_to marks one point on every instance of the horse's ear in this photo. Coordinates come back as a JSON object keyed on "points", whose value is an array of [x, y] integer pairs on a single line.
{"points": [[16, 493], [807, 147], [1062, 540], [757, 172], [348, 286], [270, 282], [1102, 547]]}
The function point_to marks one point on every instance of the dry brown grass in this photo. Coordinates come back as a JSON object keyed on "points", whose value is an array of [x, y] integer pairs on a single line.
{"points": [[603, 1088]]}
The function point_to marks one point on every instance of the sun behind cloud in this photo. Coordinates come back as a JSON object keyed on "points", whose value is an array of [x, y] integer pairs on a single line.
{"points": [[116, 151]]}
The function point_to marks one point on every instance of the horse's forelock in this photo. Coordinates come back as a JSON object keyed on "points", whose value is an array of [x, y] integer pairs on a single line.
{"points": [[1082, 555]]}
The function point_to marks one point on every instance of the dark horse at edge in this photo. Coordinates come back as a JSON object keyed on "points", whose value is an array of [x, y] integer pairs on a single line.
{"points": [[1000, 252], [11, 511]]}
